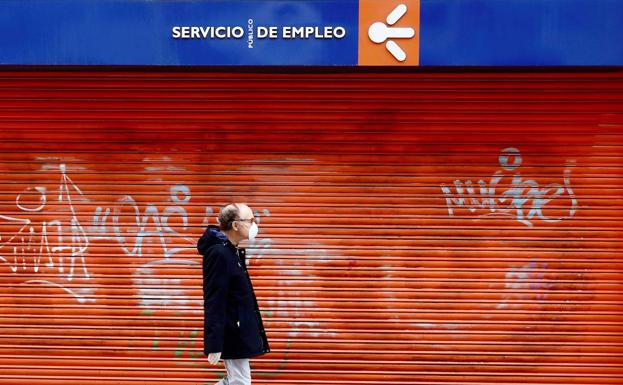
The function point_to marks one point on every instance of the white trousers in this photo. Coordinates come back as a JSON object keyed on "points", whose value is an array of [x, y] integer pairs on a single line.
{"points": [[238, 372]]}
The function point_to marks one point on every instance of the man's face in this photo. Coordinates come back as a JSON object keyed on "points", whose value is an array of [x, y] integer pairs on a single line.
{"points": [[246, 218]]}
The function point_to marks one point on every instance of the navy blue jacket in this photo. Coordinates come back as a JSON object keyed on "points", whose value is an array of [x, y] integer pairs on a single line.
{"points": [[232, 320]]}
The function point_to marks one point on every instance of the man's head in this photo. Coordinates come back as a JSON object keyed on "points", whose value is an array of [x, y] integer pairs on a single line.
{"points": [[236, 220]]}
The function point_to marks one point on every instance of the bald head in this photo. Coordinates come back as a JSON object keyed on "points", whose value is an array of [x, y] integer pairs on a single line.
{"points": [[231, 213]]}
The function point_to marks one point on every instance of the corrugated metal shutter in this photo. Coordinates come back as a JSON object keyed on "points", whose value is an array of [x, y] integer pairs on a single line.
{"points": [[424, 228]]}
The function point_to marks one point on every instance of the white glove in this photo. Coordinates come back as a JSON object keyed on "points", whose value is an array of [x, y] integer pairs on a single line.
{"points": [[214, 357]]}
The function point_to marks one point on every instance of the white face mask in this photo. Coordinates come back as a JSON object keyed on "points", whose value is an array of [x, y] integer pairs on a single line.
{"points": [[253, 230]]}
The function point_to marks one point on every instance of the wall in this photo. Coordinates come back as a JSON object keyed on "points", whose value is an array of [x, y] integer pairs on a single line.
{"points": [[414, 228]]}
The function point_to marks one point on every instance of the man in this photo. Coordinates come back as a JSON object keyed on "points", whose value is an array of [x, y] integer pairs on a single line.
{"points": [[232, 327]]}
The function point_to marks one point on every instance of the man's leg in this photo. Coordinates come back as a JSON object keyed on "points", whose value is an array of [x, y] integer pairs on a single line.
{"points": [[238, 372], [224, 381]]}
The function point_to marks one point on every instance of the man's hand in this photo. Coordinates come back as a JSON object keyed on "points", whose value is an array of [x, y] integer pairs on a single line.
{"points": [[214, 357]]}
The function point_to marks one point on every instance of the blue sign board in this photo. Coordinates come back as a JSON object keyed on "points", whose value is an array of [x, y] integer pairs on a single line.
{"points": [[312, 32]]}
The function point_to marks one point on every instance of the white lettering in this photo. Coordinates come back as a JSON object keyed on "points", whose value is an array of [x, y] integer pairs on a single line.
{"points": [[308, 32], [207, 32], [221, 32], [262, 32], [237, 32], [339, 32], [288, 32], [250, 32]]}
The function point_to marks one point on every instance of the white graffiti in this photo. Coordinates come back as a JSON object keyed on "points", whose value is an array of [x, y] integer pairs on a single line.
{"points": [[524, 200], [537, 284], [524, 283], [57, 246], [157, 290], [155, 234], [144, 222]]}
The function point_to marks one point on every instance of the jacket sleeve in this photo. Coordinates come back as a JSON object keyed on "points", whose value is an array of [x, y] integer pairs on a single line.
{"points": [[215, 288]]}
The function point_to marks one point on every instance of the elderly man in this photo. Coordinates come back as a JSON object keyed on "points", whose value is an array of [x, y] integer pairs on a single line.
{"points": [[233, 328]]}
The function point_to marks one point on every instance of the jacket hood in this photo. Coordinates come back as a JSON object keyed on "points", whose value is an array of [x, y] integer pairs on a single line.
{"points": [[211, 236]]}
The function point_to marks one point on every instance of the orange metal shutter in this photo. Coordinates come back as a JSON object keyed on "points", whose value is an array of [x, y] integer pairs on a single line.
{"points": [[424, 228]]}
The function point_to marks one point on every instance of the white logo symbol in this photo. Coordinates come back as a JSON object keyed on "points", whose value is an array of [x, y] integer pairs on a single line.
{"points": [[379, 32]]}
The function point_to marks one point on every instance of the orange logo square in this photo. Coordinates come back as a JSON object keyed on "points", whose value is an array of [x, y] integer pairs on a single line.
{"points": [[389, 32]]}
